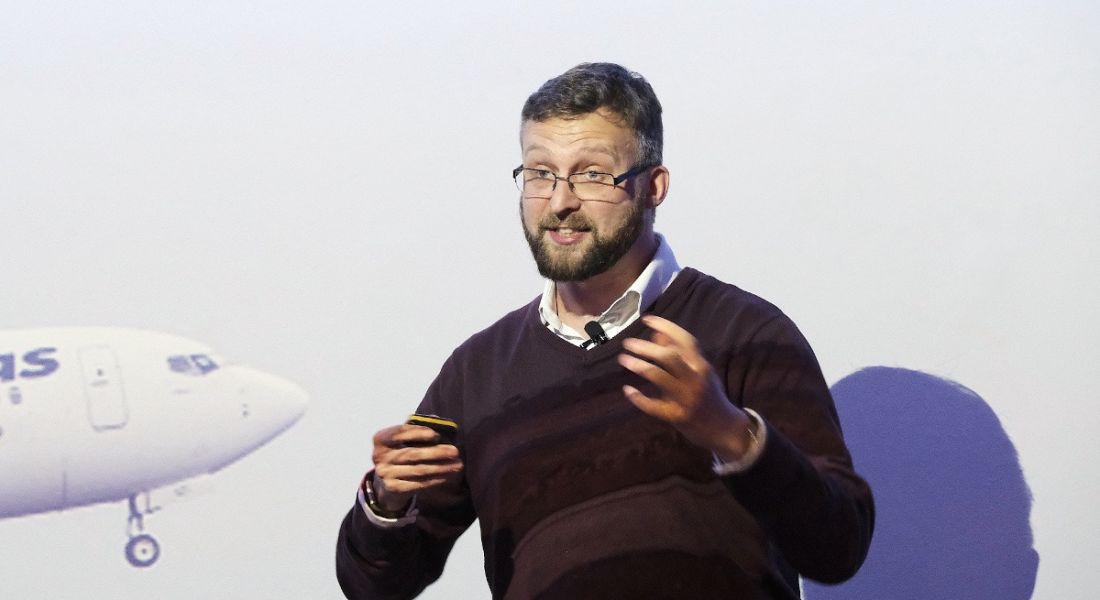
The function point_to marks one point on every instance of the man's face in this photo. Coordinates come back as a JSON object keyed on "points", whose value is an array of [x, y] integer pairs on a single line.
{"points": [[573, 240]]}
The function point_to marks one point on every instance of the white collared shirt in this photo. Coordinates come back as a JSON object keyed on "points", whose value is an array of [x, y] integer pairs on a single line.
{"points": [[641, 294]]}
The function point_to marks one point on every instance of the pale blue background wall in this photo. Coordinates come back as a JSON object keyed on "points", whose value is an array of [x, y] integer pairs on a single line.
{"points": [[297, 185]]}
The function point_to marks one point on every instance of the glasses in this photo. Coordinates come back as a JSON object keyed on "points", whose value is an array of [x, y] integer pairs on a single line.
{"points": [[587, 185]]}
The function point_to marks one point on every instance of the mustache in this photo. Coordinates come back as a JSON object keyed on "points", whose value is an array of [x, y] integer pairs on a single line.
{"points": [[572, 221]]}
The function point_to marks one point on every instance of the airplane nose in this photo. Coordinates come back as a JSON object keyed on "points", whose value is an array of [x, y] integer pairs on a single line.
{"points": [[275, 402], [290, 399]]}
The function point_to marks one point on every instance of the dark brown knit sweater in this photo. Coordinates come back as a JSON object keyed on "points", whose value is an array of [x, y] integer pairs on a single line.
{"points": [[580, 495]]}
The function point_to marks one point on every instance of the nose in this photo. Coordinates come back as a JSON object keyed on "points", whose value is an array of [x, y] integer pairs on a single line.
{"points": [[563, 200]]}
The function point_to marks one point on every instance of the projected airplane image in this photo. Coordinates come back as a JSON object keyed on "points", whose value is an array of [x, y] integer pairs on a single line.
{"points": [[91, 415]]}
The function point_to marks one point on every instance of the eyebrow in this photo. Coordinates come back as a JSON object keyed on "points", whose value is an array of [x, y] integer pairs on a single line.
{"points": [[586, 149]]}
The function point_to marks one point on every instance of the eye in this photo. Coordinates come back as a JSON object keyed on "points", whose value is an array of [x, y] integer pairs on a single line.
{"points": [[540, 174], [595, 177]]}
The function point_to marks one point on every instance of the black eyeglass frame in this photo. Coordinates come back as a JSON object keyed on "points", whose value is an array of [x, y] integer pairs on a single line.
{"points": [[615, 179]]}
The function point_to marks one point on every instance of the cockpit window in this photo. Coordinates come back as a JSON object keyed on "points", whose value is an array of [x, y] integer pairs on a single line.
{"points": [[204, 363], [192, 364]]}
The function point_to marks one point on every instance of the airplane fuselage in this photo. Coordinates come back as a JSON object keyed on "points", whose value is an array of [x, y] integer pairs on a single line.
{"points": [[91, 415]]}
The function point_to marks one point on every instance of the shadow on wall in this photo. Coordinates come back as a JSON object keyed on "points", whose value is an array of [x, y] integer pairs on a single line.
{"points": [[952, 507]]}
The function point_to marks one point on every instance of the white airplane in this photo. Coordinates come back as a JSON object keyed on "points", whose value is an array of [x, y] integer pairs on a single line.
{"points": [[91, 415]]}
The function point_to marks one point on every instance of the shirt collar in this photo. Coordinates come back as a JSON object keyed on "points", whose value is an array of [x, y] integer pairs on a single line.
{"points": [[653, 280]]}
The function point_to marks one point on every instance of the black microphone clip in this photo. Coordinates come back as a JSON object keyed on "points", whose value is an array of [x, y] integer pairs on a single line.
{"points": [[596, 332]]}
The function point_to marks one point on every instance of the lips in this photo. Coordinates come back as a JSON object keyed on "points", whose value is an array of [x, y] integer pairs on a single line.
{"points": [[566, 235]]}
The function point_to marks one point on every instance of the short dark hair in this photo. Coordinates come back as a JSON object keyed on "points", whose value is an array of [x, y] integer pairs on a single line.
{"points": [[589, 87]]}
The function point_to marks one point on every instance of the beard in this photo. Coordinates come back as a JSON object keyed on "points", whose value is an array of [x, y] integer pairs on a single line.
{"points": [[607, 247]]}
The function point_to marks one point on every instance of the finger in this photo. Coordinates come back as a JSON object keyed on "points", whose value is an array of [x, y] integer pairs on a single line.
{"points": [[417, 472], [417, 435], [652, 373], [667, 333], [399, 435], [425, 454], [670, 333], [661, 409], [406, 486], [662, 339], [412, 487], [384, 437], [668, 358], [405, 475], [408, 455]]}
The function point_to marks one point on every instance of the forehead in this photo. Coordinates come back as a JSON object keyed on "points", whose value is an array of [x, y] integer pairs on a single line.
{"points": [[591, 133]]}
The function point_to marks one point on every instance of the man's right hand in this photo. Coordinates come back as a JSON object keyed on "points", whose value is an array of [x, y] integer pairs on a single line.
{"points": [[400, 471]]}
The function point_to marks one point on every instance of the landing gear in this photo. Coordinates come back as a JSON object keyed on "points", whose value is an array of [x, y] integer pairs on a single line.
{"points": [[142, 550]]}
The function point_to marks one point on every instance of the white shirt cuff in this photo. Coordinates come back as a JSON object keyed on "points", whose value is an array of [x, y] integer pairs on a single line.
{"points": [[742, 464], [383, 522]]}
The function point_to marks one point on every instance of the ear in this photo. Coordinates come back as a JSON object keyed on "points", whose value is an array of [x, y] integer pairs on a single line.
{"points": [[658, 186]]}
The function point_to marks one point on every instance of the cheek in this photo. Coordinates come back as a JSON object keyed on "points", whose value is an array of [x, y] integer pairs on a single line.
{"points": [[608, 220], [528, 214]]}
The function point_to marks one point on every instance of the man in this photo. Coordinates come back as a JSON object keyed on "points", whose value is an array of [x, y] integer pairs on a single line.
{"points": [[686, 446]]}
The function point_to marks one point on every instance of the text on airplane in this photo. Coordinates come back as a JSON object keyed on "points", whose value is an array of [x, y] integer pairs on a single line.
{"points": [[40, 363]]}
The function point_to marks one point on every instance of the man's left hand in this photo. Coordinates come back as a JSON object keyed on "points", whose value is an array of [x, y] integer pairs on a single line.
{"points": [[691, 396]]}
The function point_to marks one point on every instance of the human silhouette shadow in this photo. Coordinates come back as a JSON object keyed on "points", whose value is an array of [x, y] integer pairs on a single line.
{"points": [[952, 506]]}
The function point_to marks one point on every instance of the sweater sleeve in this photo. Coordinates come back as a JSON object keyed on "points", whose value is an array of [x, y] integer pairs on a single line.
{"points": [[392, 563], [803, 488], [396, 563]]}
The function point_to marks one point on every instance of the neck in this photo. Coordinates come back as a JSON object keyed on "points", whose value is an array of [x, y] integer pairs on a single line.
{"points": [[582, 301]]}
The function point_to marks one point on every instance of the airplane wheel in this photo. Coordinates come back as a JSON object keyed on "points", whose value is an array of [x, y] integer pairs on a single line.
{"points": [[142, 550]]}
